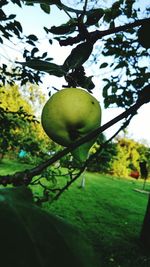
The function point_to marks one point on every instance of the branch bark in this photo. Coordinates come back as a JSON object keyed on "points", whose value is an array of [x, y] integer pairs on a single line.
{"points": [[25, 177], [96, 35]]}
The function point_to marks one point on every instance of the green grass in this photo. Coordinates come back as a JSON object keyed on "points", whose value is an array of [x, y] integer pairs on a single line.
{"points": [[10, 167], [109, 212]]}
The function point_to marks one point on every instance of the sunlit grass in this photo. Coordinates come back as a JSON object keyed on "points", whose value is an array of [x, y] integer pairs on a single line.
{"points": [[109, 211], [8, 167]]}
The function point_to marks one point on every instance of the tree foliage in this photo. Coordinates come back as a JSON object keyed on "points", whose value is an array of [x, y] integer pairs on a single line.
{"points": [[19, 128], [32, 237], [128, 65], [103, 161], [127, 157]]}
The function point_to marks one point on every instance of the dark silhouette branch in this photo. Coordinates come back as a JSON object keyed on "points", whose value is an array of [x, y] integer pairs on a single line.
{"points": [[96, 35], [88, 161], [69, 183], [25, 177], [73, 176]]}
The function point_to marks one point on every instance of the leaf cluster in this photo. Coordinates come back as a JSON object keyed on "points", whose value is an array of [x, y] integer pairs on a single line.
{"points": [[128, 76], [10, 121], [120, 46], [9, 26], [33, 237]]}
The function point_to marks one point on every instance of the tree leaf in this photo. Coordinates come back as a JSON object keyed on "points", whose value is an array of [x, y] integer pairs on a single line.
{"points": [[34, 50], [70, 9], [32, 37], [34, 238], [105, 89], [18, 25], [66, 28], [121, 64], [12, 16], [93, 16], [45, 8], [107, 15], [103, 65], [45, 66], [86, 82], [81, 153], [58, 3], [78, 56]]}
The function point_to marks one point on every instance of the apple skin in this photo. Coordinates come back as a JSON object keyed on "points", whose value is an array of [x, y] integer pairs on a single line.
{"points": [[70, 114]]}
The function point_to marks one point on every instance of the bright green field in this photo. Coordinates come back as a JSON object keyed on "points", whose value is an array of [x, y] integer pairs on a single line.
{"points": [[109, 211]]}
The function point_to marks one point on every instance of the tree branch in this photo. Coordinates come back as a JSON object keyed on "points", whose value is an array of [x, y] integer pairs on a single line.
{"points": [[102, 146], [25, 177], [96, 35], [68, 183], [74, 177]]}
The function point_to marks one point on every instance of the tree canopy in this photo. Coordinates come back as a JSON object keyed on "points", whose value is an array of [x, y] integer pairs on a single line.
{"points": [[112, 36], [19, 127]]}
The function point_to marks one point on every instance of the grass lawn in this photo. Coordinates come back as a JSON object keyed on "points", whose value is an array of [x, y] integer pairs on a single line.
{"points": [[108, 211], [9, 167], [111, 213]]}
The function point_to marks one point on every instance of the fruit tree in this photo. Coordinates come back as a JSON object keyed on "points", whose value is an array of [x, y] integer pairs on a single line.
{"points": [[112, 34]]}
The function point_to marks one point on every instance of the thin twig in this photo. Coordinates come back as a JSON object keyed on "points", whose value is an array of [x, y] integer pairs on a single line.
{"points": [[85, 6], [67, 13], [68, 184]]}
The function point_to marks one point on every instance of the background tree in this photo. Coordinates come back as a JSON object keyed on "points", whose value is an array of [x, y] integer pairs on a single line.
{"points": [[127, 159], [144, 152], [104, 160], [19, 126]]}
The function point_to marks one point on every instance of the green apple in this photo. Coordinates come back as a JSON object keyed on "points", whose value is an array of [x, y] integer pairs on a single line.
{"points": [[69, 115]]}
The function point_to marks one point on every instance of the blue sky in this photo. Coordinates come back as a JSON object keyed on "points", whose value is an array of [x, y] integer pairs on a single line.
{"points": [[33, 20]]}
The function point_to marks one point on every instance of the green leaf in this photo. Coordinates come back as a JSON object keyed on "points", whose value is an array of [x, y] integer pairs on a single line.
{"points": [[86, 82], [114, 89], [70, 9], [66, 28], [18, 25], [45, 8], [12, 16], [93, 16], [31, 237], [105, 89], [121, 64], [32, 37], [45, 66], [81, 153], [107, 15], [78, 56], [115, 10], [106, 103], [103, 65]]}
